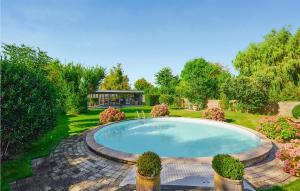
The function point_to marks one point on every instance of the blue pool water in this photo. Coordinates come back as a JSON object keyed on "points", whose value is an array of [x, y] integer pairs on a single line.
{"points": [[176, 137]]}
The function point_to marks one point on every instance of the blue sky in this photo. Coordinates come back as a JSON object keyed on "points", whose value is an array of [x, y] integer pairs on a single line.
{"points": [[144, 35]]}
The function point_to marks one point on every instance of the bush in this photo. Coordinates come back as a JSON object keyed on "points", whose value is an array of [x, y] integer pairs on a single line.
{"points": [[289, 153], [251, 94], [28, 105], [296, 111], [166, 99], [279, 128], [151, 99], [110, 115], [160, 110], [228, 167], [224, 102], [149, 164], [214, 114]]}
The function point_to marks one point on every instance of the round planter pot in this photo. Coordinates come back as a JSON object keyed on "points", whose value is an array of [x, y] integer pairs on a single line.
{"points": [[226, 184], [144, 183]]}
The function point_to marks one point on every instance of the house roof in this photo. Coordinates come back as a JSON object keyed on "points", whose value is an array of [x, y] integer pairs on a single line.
{"points": [[119, 91]]}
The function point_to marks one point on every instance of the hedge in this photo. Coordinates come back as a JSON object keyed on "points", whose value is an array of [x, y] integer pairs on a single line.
{"points": [[28, 105], [152, 99]]}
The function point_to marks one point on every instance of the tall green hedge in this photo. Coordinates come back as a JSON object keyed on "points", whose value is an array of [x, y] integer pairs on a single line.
{"points": [[152, 99], [28, 105]]}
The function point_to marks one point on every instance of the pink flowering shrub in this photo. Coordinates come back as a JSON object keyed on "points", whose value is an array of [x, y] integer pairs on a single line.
{"points": [[214, 114], [160, 110], [289, 153], [111, 114], [279, 128]]}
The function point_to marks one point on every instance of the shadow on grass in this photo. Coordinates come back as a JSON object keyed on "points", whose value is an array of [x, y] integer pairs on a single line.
{"points": [[275, 188], [230, 120]]}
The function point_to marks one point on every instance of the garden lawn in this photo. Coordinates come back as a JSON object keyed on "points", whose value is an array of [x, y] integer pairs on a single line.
{"points": [[69, 125]]}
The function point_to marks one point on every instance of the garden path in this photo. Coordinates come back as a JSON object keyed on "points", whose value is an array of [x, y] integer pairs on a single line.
{"points": [[72, 166]]}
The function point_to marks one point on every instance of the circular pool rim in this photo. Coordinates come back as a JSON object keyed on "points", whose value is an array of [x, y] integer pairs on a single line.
{"points": [[249, 157]]}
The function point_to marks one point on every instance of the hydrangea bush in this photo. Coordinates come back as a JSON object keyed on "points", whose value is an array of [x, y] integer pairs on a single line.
{"points": [[111, 114], [160, 110], [214, 114], [279, 128], [289, 153]]}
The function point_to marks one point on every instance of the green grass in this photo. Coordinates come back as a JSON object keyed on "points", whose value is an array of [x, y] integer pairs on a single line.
{"points": [[293, 186], [68, 125]]}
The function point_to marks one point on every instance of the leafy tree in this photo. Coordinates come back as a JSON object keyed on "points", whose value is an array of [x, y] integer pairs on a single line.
{"points": [[116, 80], [166, 81], [276, 58], [93, 77], [200, 80], [142, 84], [251, 93], [28, 56]]}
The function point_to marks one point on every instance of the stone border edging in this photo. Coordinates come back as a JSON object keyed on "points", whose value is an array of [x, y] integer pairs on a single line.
{"points": [[248, 158]]}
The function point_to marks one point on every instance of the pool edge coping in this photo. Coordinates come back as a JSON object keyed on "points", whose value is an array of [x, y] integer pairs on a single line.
{"points": [[249, 158]]}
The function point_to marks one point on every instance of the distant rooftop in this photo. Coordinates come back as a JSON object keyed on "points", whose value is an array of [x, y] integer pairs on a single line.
{"points": [[119, 91]]}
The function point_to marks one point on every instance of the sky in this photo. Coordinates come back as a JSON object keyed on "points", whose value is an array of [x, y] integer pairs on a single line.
{"points": [[144, 35]]}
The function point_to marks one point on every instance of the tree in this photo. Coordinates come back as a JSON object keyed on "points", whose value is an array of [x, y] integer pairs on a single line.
{"points": [[116, 80], [276, 58], [93, 77], [166, 81], [200, 80], [34, 58], [251, 93], [142, 84]]}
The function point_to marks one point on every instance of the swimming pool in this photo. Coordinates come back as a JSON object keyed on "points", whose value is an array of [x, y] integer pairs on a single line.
{"points": [[176, 137]]}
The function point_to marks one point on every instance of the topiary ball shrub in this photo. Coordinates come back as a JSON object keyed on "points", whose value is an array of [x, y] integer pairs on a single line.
{"points": [[214, 114], [149, 164], [160, 110], [296, 111], [110, 115], [228, 167]]}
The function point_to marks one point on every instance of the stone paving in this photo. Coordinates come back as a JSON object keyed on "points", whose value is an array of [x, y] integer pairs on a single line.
{"points": [[72, 166]]}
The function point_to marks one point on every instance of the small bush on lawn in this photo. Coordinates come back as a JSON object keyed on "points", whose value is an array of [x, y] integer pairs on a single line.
{"points": [[160, 110], [111, 114], [289, 153], [149, 164], [224, 102], [214, 114], [279, 128], [228, 167], [296, 111]]}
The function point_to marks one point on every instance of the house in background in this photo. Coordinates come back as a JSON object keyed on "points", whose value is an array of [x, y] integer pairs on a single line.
{"points": [[105, 98]]}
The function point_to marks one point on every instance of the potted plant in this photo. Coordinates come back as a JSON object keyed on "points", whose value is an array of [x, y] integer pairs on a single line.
{"points": [[148, 172], [229, 173]]}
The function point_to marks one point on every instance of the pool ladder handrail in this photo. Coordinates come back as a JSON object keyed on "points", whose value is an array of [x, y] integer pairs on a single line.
{"points": [[142, 113]]}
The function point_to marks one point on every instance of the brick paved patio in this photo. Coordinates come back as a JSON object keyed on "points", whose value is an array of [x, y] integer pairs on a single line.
{"points": [[72, 166]]}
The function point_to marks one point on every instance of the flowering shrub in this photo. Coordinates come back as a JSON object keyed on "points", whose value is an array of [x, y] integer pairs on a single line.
{"points": [[289, 153], [214, 114], [160, 110], [279, 128], [111, 114]]}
